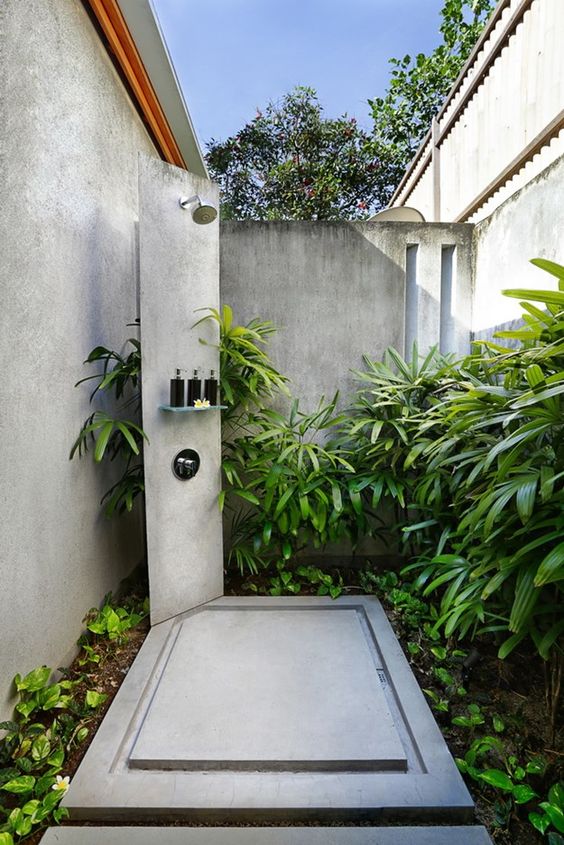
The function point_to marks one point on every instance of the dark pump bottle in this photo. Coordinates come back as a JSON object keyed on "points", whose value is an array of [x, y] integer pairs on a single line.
{"points": [[194, 389], [210, 389], [177, 390]]}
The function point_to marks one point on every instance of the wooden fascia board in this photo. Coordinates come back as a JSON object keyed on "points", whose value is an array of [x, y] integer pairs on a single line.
{"points": [[114, 27]]}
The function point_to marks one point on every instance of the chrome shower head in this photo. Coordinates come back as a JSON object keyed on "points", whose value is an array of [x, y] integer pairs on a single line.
{"points": [[202, 211]]}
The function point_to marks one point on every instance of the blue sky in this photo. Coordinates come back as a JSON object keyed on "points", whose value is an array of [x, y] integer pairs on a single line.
{"points": [[233, 56]]}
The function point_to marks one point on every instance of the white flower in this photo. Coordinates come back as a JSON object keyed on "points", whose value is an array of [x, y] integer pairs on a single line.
{"points": [[202, 403], [62, 784]]}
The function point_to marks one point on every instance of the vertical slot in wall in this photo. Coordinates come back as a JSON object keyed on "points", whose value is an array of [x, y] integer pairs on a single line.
{"points": [[447, 330], [411, 298]]}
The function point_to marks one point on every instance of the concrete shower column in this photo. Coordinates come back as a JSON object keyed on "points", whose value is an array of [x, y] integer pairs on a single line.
{"points": [[179, 272]]}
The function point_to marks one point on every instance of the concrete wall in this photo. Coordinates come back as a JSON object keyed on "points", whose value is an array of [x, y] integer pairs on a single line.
{"points": [[179, 273], [340, 290], [528, 225], [69, 138]]}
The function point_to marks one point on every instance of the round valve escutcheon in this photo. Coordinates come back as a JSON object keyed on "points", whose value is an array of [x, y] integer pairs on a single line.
{"points": [[186, 464]]}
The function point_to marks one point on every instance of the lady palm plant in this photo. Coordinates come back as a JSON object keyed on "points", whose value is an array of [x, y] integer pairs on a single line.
{"points": [[282, 487], [385, 431], [471, 457], [289, 482], [116, 438], [248, 376], [502, 443]]}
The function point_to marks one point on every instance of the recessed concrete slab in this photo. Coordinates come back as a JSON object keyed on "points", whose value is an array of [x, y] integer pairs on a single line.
{"points": [[267, 836], [270, 689], [258, 708]]}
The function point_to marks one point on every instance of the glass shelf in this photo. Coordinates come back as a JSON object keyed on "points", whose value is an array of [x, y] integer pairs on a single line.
{"points": [[190, 409]]}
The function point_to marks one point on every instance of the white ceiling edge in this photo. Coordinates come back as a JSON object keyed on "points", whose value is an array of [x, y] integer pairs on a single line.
{"points": [[143, 23]]}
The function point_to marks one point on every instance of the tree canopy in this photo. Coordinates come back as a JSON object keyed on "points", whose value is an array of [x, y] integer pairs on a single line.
{"points": [[290, 162]]}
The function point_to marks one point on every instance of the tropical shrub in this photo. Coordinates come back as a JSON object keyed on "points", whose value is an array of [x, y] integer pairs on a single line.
{"points": [[285, 485], [493, 753], [283, 488], [503, 443], [385, 430], [248, 376], [472, 457], [116, 437]]}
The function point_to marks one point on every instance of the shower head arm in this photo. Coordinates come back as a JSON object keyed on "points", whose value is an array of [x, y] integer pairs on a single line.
{"points": [[186, 202]]}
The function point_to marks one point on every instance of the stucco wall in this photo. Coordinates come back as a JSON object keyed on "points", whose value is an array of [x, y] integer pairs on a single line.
{"points": [[338, 291], [528, 225], [178, 274], [68, 281]]}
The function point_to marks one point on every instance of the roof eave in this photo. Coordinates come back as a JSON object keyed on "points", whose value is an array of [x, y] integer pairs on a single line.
{"points": [[143, 23], [135, 41]]}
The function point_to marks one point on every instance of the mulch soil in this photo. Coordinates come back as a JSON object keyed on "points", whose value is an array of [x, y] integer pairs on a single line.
{"points": [[512, 689]]}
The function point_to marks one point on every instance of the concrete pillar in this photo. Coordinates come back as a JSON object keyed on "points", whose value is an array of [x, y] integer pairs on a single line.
{"points": [[179, 273]]}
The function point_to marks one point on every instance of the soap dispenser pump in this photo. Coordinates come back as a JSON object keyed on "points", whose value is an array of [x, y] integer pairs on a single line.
{"points": [[177, 390]]}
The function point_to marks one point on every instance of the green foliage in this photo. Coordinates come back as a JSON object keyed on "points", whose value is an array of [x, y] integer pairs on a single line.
{"points": [[471, 456], [473, 718], [112, 622], [125, 372], [107, 628], [50, 720], [116, 438], [248, 376], [418, 88], [385, 430], [438, 702], [327, 585], [489, 761], [292, 581], [507, 780], [36, 694], [94, 698], [552, 810], [33, 753], [283, 488], [291, 486], [291, 163], [412, 614]]}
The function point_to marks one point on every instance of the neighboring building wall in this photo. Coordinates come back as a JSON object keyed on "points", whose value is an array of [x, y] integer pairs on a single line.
{"points": [[528, 225], [70, 139], [502, 122], [341, 290]]}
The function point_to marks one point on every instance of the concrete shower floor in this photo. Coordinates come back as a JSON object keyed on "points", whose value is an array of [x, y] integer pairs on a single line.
{"points": [[270, 708]]}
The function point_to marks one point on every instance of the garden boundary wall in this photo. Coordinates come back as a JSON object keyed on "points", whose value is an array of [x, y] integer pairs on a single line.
{"points": [[338, 291]]}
